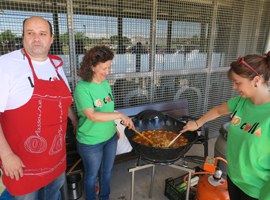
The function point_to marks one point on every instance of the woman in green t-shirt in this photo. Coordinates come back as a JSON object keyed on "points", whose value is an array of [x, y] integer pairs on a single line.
{"points": [[248, 149], [96, 131]]}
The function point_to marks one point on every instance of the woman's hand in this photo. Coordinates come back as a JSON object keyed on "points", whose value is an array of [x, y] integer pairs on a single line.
{"points": [[190, 126], [13, 166], [127, 121]]}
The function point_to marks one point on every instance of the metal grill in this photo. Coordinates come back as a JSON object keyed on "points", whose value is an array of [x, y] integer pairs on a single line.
{"points": [[165, 49]]}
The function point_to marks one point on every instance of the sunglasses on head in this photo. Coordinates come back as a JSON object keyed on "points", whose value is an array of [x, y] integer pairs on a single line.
{"points": [[242, 61]]}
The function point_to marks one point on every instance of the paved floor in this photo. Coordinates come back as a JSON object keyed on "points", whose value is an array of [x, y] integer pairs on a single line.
{"points": [[122, 178]]}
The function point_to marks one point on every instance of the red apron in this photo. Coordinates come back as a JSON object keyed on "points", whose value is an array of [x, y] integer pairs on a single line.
{"points": [[36, 133]]}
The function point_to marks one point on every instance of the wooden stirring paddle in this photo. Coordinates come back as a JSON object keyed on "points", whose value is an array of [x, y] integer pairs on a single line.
{"points": [[173, 141], [139, 133]]}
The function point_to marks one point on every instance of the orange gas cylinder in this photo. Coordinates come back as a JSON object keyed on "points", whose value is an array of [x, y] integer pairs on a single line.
{"points": [[212, 187]]}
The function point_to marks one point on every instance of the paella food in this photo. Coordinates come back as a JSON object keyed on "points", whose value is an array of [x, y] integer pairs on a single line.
{"points": [[160, 138]]}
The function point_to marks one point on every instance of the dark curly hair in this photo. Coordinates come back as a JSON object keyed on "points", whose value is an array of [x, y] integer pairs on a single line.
{"points": [[96, 55], [259, 63]]}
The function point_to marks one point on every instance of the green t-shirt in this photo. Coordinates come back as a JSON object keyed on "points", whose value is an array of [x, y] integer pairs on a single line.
{"points": [[248, 146], [99, 97]]}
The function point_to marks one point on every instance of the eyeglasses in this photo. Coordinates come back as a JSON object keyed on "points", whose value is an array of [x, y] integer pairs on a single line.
{"points": [[242, 61]]}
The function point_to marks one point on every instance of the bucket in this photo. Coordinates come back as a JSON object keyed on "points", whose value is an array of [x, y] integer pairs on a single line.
{"points": [[220, 147], [74, 183]]}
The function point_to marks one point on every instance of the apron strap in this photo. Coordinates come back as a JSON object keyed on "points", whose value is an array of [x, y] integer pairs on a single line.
{"points": [[30, 63], [51, 57], [55, 57]]}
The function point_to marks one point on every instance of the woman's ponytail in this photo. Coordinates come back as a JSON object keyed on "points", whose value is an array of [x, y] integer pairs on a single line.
{"points": [[267, 58]]}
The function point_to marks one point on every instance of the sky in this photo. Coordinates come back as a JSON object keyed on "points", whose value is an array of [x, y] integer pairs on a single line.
{"points": [[100, 26]]}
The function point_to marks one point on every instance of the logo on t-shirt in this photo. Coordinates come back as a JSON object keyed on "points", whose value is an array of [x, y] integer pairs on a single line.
{"points": [[236, 120], [98, 103], [108, 99], [250, 128]]}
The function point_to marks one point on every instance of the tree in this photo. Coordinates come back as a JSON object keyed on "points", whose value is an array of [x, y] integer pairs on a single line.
{"points": [[64, 38], [7, 37], [114, 40]]}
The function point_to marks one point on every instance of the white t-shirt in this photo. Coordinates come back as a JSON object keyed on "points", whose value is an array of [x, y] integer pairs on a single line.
{"points": [[15, 72]]}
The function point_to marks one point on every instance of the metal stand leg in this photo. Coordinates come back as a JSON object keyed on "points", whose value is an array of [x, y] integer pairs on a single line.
{"points": [[152, 181], [132, 185], [189, 177], [137, 168], [188, 186]]}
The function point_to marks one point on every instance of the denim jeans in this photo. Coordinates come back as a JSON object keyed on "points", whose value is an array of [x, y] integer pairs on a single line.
{"points": [[98, 161], [50, 191]]}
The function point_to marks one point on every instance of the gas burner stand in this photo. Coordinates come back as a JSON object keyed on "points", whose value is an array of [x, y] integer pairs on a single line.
{"points": [[153, 165]]}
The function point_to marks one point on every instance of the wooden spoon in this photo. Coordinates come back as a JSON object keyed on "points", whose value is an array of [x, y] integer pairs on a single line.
{"points": [[73, 167], [139, 133], [173, 141]]}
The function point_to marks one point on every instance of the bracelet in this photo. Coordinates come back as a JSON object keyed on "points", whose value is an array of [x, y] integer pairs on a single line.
{"points": [[196, 123]]}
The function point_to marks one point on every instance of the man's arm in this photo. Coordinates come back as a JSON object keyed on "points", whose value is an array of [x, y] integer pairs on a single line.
{"points": [[11, 163], [73, 117]]}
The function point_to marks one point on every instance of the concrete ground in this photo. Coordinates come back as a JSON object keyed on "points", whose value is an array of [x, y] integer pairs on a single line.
{"points": [[121, 177]]}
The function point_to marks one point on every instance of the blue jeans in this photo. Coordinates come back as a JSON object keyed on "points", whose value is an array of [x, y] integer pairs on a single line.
{"points": [[50, 191], [98, 161]]}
